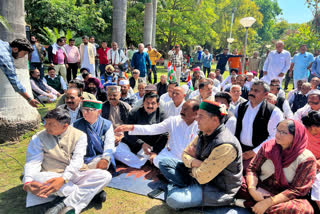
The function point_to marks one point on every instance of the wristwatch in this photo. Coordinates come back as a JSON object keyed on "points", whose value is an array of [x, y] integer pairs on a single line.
{"points": [[29, 99]]}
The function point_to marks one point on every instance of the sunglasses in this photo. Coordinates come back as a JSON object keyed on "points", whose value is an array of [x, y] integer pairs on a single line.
{"points": [[313, 103], [135, 73]]}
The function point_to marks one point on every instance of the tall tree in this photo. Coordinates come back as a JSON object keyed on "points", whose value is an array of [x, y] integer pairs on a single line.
{"points": [[154, 22], [16, 115], [119, 21], [148, 22]]}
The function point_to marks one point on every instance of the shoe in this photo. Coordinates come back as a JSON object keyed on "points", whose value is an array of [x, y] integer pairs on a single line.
{"points": [[67, 210], [56, 209], [100, 197]]}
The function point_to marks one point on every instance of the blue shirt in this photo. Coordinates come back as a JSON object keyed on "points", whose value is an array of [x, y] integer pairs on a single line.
{"points": [[35, 56], [139, 61], [301, 62], [206, 60], [7, 66], [315, 70]]}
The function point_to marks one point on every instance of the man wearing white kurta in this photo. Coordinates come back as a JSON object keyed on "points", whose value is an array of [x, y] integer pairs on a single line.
{"points": [[53, 162], [167, 97], [182, 130], [173, 107], [276, 64], [87, 55]]}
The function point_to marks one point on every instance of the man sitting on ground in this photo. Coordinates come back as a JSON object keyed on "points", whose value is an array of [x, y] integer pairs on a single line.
{"points": [[167, 97], [205, 91], [173, 107], [79, 85], [313, 104], [73, 104], [93, 88], [182, 130], [44, 92], [211, 171], [230, 121], [162, 86], [141, 86], [125, 95], [235, 92], [136, 150], [281, 102], [300, 99], [55, 81], [53, 162], [109, 75]]}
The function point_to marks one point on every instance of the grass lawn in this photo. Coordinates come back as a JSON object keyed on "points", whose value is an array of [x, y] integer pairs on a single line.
{"points": [[12, 196]]}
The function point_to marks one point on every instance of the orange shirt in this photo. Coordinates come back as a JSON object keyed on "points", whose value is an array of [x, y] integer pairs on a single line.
{"points": [[234, 62]]}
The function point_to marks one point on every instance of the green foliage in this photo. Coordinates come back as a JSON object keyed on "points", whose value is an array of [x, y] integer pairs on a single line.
{"points": [[135, 22], [303, 35], [50, 36]]}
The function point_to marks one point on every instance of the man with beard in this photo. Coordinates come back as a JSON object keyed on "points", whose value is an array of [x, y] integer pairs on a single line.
{"points": [[182, 130], [125, 95], [137, 149], [87, 55], [8, 52], [109, 75], [256, 120], [44, 92], [73, 100], [57, 56], [37, 56], [93, 88]]}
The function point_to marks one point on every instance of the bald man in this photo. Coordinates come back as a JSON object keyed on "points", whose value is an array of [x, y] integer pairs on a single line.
{"points": [[173, 107]]}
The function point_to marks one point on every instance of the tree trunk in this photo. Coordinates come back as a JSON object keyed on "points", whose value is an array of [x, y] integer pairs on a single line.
{"points": [[154, 22], [119, 22], [147, 33], [16, 116]]}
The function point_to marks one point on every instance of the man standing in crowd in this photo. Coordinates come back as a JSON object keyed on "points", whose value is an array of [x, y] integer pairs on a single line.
{"points": [[103, 59], [141, 61], [73, 58], [116, 56], [37, 56], [235, 62], [176, 60], [223, 59], [8, 52], [254, 62], [55, 81], [53, 162], [87, 55], [300, 65], [96, 46], [57, 57], [154, 58], [210, 172], [256, 120], [276, 64], [73, 101], [206, 60]]}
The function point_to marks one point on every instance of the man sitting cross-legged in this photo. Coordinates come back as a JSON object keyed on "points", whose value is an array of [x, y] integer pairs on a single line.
{"points": [[53, 162], [182, 130], [210, 172], [136, 150]]}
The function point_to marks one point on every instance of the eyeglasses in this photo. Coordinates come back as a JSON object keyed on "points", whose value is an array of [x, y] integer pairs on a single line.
{"points": [[88, 109], [282, 132], [135, 73], [313, 103]]}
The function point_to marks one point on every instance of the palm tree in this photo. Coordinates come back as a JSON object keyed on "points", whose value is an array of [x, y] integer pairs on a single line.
{"points": [[16, 115], [119, 21], [148, 17]]}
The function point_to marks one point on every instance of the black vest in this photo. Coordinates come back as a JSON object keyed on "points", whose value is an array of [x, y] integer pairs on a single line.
{"points": [[299, 101], [54, 83], [222, 189], [260, 124], [280, 101], [124, 112], [40, 84]]}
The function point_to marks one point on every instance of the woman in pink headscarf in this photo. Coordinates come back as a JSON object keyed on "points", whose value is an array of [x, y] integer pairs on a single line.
{"points": [[281, 174], [312, 124]]}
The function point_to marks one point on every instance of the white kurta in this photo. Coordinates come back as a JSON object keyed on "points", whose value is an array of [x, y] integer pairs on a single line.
{"points": [[302, 112], [275, 64], [180, 135], [73, 114], [82, 186], [171, 109], [165, 97], [85, 62], [247, 124]]}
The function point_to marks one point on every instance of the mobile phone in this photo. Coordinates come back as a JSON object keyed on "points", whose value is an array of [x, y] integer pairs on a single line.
{"points": [[154, 193]]}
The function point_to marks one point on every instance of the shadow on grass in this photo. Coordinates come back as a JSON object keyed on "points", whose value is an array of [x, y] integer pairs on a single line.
{"points": [[164, 208], [14, 201]]}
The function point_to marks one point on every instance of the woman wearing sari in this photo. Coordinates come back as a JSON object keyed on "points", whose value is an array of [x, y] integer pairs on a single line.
{"points": [[281, 174], [312, 124]]}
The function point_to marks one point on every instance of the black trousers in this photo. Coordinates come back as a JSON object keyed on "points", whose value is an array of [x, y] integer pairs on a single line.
{"points": [[208, 70], [154, 71], [72, 68], [287, 80]]}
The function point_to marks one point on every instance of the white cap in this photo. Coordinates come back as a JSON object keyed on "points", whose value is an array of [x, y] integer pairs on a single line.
{"points": [[314, 92], [124, 82]]}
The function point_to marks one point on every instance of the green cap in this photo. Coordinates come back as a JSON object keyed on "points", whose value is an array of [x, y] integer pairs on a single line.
{"points": [[213, 107], [92, 104]]}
